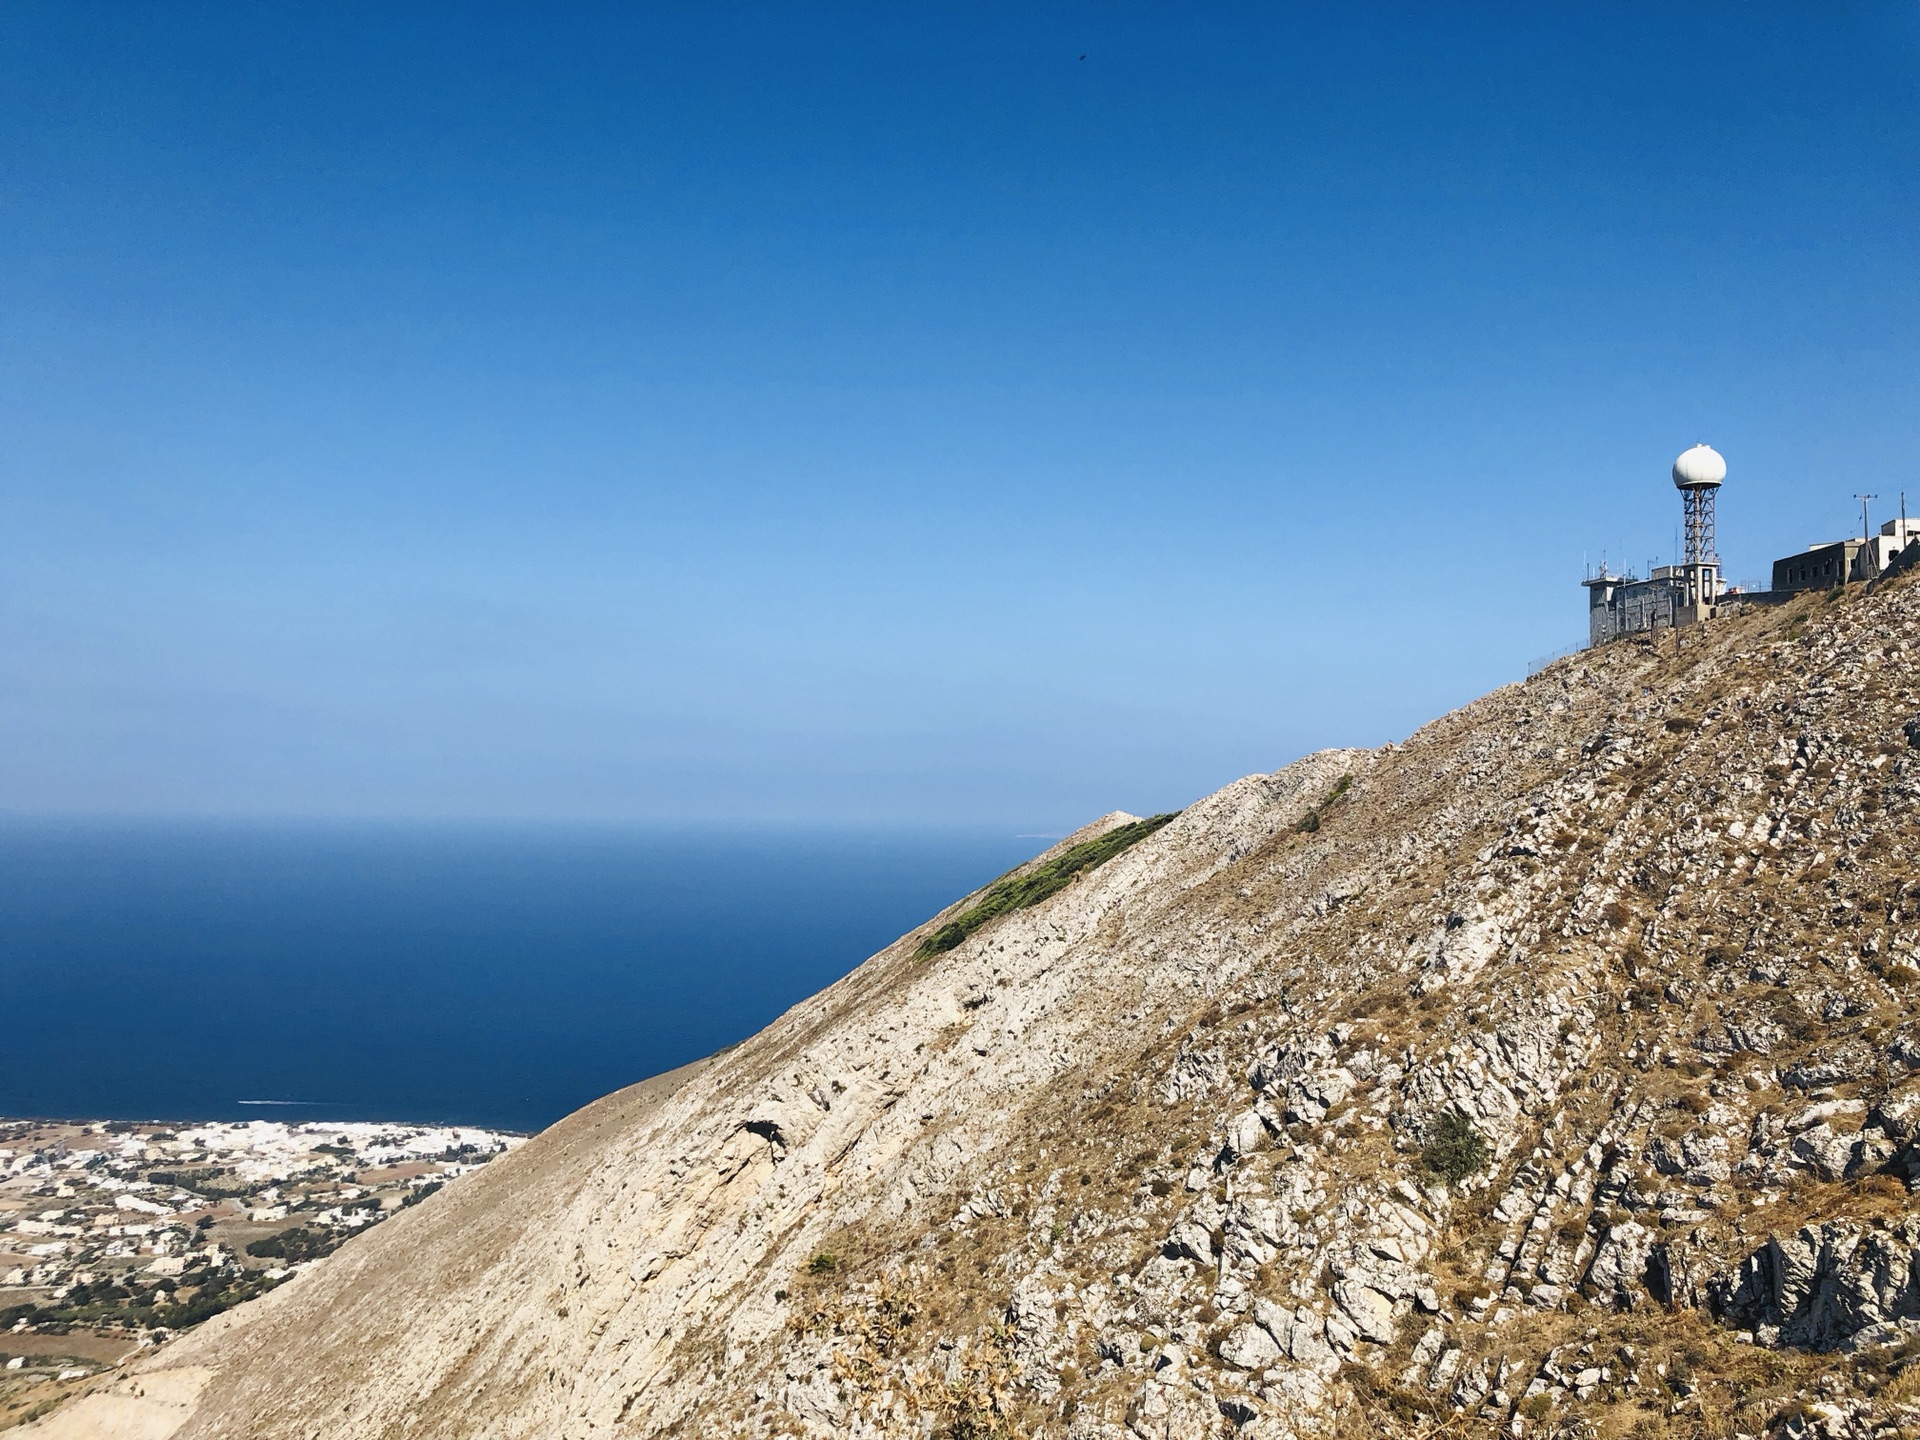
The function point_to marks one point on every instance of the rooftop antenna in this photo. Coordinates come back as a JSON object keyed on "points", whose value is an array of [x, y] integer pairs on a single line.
{"points": [[1866, 533]]}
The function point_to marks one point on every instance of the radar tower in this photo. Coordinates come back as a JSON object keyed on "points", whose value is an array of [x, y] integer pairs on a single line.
{"points": [[1698, 475]]}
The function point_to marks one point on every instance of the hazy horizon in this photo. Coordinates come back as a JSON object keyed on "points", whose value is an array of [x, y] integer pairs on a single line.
{"points": [[957, 417], [480, 825]]}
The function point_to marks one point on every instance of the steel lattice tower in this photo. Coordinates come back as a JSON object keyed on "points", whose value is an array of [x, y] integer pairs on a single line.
{"points": [[1698, 503]]}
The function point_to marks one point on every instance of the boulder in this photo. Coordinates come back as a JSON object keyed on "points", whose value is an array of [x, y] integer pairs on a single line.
{"points": [[1301, 1335], [1191, 1240], [1827, 1154], [1618, 1274], [1249, 1347], [1167, 1408]]}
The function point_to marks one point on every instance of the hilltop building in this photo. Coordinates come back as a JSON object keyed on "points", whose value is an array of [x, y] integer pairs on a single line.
{"points": [[1692, 591], [1671, 595], [1846, 562]]}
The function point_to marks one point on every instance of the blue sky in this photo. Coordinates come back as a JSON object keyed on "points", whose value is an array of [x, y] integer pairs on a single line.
{"points": [[881, 413]]}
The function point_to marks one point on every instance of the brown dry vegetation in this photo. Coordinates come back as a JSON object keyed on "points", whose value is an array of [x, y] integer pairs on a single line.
{"points": [[1536, 911]]}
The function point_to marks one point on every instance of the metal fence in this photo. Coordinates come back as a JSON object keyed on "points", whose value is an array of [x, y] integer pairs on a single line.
{"points": [[1534, 667]]}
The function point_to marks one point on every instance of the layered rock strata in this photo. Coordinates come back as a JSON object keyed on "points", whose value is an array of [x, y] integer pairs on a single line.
{"points": [[1560, 1075]]}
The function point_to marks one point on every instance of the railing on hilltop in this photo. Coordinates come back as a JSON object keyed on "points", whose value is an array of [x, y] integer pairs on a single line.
{"points": [[1534, 667]]}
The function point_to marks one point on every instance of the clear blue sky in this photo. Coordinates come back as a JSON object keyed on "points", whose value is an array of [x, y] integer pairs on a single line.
{"points": [[883, 413]]}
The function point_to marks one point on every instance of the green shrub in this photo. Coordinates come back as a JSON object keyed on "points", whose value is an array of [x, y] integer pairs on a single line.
{"points": [[1021, 892], [200, 1182], [822, 1264], [294, 1245], [1455, 1150], [1309, 823]]}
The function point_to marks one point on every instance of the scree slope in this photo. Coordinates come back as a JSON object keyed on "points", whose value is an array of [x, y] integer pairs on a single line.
{"points": [[1556, 1071]]}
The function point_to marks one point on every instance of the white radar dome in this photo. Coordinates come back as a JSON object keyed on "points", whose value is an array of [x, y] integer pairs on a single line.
{"points": [[1699, 467]]}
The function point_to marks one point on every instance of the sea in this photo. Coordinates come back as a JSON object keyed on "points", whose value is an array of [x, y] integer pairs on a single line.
{"points": [[490, 975]]}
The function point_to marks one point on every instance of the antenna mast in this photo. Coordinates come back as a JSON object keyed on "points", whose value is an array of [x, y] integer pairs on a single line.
{"points": [[1866, 530]]}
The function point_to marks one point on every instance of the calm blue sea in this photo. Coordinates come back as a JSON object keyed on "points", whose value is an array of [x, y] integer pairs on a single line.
{"points": [[490, 976]]}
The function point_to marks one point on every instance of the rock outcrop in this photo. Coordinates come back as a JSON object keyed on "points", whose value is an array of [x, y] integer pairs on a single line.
{"points": [[1824, 1287], [1555, 1071]]}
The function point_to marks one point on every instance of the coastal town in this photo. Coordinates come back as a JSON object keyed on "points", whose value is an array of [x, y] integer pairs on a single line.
{"points": [[116, 1234]]}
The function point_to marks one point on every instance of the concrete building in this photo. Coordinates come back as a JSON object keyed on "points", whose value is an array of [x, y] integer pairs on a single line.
{"points": [[1845, 562], [1693, 590], [1671, 595]]}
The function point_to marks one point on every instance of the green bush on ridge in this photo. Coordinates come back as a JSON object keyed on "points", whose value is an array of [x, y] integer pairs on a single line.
{"points": [[1309, 823], [1022, 892]]}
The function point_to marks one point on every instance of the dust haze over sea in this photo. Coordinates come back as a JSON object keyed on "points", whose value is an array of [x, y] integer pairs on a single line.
{"points": [[490, 975]]}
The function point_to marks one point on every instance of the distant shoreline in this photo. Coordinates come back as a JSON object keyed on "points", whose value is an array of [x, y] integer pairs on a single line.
{"points": [[115, 1234], [410, 976]]}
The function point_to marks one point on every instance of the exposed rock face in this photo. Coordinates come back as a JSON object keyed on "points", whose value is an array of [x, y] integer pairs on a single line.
{"points": [[1179, 1153], [1824, 1285]]}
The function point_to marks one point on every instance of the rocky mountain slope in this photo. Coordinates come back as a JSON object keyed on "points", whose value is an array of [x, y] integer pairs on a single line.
{"points": [[1551, 1072]]}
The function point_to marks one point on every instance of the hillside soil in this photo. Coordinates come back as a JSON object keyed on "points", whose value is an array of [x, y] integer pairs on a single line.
{"points": [[1555, 1072]]}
